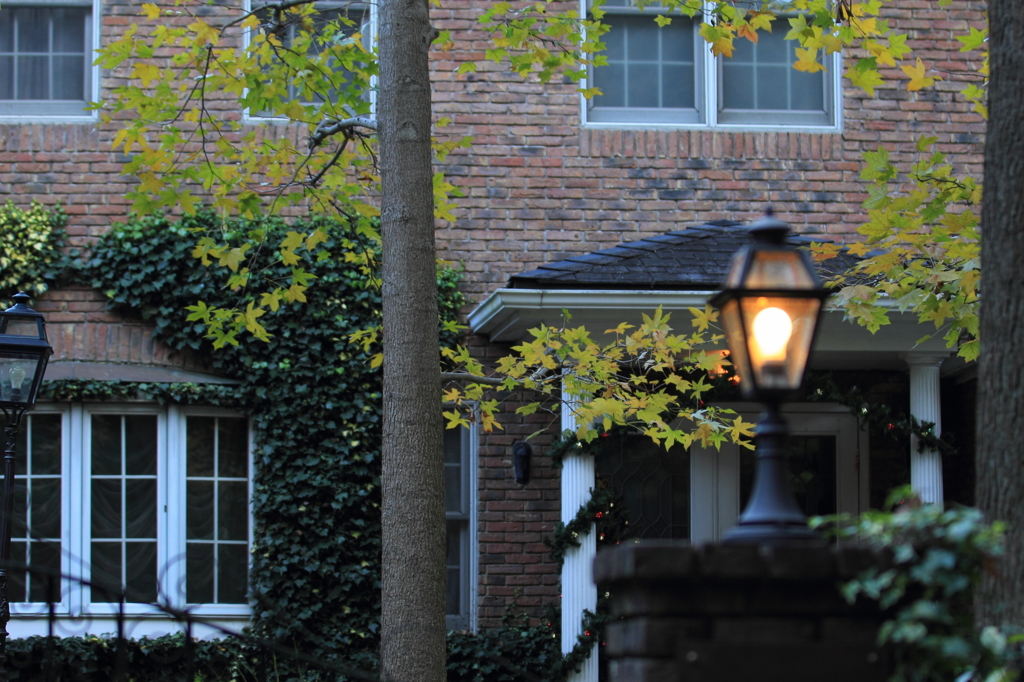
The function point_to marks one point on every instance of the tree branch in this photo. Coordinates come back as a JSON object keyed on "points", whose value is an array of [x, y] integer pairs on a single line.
{"points": [[333, 126], [465, 376]]}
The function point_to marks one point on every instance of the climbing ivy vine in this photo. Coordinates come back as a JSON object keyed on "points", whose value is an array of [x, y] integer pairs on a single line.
{"points": [[30, 248], [314, 400]]}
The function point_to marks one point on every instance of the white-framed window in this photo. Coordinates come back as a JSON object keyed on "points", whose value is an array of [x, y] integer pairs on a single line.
{"points": [[358, 19], [46, 58], [146, 499], [460, 522], [667, 76]]}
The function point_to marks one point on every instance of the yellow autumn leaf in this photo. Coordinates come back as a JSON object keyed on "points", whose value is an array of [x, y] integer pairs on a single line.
{"points": [[702, 318], [291, 241], [234, 257], [807, 60], [317, 237], [295, 293], [150, 10], [147, 73], [272, 300], [918, 79], [722, 46]]}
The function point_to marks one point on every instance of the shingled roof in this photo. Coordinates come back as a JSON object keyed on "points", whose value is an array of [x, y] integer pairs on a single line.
{"points": [[695, 258]]}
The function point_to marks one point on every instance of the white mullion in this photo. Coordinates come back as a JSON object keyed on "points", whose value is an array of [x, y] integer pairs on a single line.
{"points": [[124, 504], [171, 495], [216, 507], [74, 528], [709, 71]]}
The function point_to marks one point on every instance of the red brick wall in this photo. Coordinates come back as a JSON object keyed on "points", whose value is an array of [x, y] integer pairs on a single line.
{"points": [[79, 327]]}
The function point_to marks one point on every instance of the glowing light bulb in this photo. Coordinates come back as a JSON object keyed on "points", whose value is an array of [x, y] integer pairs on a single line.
{"points": [[17, 374], [772, 329]]}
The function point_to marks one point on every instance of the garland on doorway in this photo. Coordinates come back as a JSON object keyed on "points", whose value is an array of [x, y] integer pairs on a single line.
{"points": [[600, 511], [822, 387]]}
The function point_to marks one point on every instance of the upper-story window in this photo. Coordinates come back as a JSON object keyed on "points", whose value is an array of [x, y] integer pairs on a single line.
{"points": [[133, 502], [46, 58], [667, 76]]}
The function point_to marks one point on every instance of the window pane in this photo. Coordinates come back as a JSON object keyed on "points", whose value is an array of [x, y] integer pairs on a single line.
{"points": [[199, 573], [44, 581], [33, 77], [679, 86], [45, 508], [642, 85], [106, 508], [140, 508], [199, 449], [141, 572], [642, 36], [232, 573], [6, 76], [19, 525], [16, 576], [6, 30], [611, 81], [106, 571], [69, 78], [453, 574], [453, 488], [140, 445], [233, 511], [106, 445], [69, 29], [233, 447], [200, 513], [46, 443], [738, 86], [33, 29], [808, 90]]}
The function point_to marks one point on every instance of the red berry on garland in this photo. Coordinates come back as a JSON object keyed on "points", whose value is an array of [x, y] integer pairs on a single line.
{"points": [[891, 426], [586, 633], [599, 514]]}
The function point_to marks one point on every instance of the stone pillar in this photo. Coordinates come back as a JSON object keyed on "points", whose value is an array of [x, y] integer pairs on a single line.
{"points": [[738, 613], [925, 405], [578, 589]]}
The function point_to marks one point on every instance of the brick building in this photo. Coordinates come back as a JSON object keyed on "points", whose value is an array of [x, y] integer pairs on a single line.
{"points": [[677, 141]]}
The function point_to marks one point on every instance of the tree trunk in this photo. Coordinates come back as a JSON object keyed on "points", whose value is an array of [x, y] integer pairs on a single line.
{"points": [[413, 519], [1000, 455]]}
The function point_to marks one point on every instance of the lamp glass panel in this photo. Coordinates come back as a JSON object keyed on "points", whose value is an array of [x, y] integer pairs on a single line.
{"points": [[17, 375], [779, 333], [21, 326], [736, 339], [770, 269]]}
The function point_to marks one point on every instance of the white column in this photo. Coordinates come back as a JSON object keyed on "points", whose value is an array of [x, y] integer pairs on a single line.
{"points": [[578, 589], [926, 467]]}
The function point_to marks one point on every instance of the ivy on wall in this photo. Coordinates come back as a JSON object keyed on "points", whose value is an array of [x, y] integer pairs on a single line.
{"points": [[30, 248], [314, 402]]}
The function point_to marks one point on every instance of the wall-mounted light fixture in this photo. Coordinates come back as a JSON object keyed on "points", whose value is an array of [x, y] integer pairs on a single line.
{"points": [[521, 452]]}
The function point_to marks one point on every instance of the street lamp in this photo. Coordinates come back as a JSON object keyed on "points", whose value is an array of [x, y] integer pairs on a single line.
{"points": [[770, 308], [24, 353]]}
